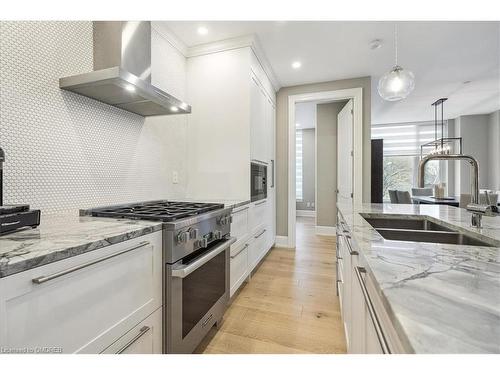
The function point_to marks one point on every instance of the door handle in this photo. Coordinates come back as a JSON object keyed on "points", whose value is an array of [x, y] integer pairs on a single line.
{"points": [[186, 270]]}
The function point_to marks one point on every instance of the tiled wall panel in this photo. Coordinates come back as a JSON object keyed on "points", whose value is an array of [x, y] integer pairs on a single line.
{"points": [[65, 151]]}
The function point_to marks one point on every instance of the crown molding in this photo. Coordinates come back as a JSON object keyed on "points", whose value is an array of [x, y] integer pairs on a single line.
{"points": [[234, 43], [170, 37], [219, 46]]}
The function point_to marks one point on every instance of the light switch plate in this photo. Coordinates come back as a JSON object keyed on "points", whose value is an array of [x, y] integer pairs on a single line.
{"points": [[175, 177]]}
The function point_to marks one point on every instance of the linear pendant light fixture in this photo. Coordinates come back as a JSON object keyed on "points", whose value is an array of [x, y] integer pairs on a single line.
{"points": [[398, 83]]}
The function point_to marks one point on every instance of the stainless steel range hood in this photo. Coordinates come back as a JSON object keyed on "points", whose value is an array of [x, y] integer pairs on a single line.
{"points": [[122, 71]]}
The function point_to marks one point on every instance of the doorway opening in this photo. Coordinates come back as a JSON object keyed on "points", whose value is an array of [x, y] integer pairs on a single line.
{"points": [[315, 182]]}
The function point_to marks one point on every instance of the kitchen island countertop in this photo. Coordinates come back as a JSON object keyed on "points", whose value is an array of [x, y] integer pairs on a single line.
{"points": [[441, 298]]}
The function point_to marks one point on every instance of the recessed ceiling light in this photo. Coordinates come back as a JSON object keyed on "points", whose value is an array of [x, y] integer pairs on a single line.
{"points": [[202, 30], [296, 64], [174, 109], [130, 88], [375, 44]]}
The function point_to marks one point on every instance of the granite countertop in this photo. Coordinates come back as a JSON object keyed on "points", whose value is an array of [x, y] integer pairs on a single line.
{"points": [[441, 298], [63, 236]]}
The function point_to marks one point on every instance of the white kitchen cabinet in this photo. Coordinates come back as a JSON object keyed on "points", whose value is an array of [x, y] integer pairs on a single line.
{"points": [[84, 303], [144, 338], [233, 123], [367, 324], [239, 267]]}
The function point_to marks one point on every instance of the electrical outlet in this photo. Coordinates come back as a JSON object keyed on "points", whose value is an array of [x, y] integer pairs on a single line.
{"points": [[175, 177]]}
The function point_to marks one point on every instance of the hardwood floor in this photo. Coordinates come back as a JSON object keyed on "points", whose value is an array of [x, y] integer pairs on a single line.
{"points": [[289, 305]]}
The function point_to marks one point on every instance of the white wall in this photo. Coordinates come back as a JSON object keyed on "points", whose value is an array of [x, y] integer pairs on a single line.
{"points": [[474, 132], [305, 115], [494, 150], [65, 151]]}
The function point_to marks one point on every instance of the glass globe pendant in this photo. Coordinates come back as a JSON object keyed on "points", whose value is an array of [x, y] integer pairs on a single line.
{"points": [[398, 83]]}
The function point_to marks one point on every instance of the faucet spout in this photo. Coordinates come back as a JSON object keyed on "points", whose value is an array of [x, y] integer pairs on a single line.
{"points": [[476, 217]]}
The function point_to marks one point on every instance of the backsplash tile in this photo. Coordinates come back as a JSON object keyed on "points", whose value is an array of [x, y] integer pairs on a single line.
{"points": [[65, 151]]}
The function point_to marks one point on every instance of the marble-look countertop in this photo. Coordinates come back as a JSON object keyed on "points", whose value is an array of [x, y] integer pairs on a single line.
{"points": [[63, 236], [441, 298]]}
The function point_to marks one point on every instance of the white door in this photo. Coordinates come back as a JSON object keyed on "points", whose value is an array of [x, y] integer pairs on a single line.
{"points": [[345, 154]]}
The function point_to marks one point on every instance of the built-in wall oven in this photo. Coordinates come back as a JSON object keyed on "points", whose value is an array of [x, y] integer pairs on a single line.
{"points": [[258, 180]]}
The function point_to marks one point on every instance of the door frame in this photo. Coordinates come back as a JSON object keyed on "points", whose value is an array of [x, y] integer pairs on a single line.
{"points": [[356, 94]]}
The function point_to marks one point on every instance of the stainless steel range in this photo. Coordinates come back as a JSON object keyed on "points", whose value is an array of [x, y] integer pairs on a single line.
{"points": [[196, 246]]}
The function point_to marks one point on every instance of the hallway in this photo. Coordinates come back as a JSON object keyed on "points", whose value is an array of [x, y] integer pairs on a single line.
{"points": [[289, 305]]}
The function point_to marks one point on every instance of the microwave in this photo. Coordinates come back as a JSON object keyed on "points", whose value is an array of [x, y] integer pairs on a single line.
{"points": [[258, 181]]}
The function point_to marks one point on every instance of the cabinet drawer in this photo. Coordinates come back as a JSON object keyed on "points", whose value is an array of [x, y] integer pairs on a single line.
{"points": [[258, 245], [144, 338], [239, 225], [258, 214], [88, 300], [238, 267]]}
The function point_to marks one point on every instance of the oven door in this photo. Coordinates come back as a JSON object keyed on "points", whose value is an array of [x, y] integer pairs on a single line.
{"points": [[258, 184], [197, 296]]}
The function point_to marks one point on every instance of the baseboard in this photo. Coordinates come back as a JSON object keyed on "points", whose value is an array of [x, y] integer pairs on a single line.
{"points": [[281, 241], [306, 213], [326, 231]]}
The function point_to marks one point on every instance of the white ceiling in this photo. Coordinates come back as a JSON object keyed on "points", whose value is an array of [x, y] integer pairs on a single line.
{"points": [[442, 56]]}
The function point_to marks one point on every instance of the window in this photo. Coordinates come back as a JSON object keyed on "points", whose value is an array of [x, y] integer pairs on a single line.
{"points": [[298, 165], [402, 155]]}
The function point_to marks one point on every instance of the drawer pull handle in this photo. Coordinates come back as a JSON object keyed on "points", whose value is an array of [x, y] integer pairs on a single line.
{"points": [[134, 339], [260, 234], [348, 241], [11, 223], [261, 202], [43, 279], [371, 310], [239, 252]]}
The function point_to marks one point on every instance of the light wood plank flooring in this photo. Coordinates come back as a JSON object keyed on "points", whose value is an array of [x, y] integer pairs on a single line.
{"points": [[289, 305]]}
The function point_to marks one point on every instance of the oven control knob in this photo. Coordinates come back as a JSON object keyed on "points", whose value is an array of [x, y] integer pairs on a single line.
{"points": [[182, 237], [217, 234], [193, 233], [203, 242]]}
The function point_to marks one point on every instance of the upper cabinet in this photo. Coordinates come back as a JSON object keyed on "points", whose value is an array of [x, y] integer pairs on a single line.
{"points": [[232, 122]]}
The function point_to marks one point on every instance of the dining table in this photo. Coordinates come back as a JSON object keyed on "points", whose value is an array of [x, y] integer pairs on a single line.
{"points": [[449, 201]]}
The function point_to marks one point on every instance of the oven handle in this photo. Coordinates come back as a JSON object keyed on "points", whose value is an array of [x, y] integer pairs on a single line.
{"points": [[191, 267]]}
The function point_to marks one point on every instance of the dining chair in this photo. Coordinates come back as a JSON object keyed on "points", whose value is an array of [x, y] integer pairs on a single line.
{"points": [[423, 192], [393, 195], [404, 197]]}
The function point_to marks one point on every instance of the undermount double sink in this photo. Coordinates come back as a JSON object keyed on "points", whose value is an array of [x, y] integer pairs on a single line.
{"points": [[420, 230]]}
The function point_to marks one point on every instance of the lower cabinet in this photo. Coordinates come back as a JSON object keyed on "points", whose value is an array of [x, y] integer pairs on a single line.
{"points": [[144, 338], [254, 238], [238, 267], [367, 326], [85, 303]]}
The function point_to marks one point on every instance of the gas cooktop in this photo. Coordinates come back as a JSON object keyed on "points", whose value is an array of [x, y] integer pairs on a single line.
{"points": [[156, 210]]}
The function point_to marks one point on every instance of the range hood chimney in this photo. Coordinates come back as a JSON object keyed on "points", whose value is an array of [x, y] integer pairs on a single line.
{"points": [[122, 71]]}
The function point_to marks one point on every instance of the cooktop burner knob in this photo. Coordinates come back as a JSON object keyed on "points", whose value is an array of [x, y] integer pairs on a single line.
{"points": [[182, 237], [193, 233]]}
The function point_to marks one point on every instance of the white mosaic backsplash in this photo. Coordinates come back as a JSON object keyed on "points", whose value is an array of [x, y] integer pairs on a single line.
{"points": [[65, 151]]}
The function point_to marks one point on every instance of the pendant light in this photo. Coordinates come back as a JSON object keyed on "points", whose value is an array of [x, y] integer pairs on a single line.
{"points": [[398, 83]]}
